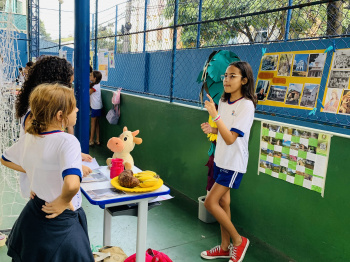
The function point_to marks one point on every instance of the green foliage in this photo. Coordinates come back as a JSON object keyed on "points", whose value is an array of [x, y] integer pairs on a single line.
{"points": [[309, 21], [43, 32], [105, 43]]}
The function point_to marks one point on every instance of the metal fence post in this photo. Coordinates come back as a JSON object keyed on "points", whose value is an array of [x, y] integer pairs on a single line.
{"points": [[145, 27], [81, 60], [173, 55], [96, 30], [146, 87], [116, 30], [59, 26], [199, 25], [289, 17]]}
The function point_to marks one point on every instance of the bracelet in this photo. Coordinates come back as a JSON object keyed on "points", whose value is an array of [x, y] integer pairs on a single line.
{"points": [[215, 119]]}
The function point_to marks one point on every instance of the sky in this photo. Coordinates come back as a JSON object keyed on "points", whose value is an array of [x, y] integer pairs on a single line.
{"points": [[50, 16]]}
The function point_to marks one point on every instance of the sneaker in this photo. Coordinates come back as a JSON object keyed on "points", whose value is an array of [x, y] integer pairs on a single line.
{"points": [[216, 252], [238, 253]]}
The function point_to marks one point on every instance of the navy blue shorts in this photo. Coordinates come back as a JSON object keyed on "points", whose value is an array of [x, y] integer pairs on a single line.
{"points": [[96, 112], [227, 178]]}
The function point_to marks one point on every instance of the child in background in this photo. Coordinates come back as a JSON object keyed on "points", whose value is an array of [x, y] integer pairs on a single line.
{"points": [[234, 120], [96, 106], [20, 77], [52, 226], [49, 69]]}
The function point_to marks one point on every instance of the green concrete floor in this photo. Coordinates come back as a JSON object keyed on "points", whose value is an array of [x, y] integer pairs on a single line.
{"points": [[173, 228]]}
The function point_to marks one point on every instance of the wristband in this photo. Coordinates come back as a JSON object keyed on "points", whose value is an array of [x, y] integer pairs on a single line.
{"points": [[215, 119]]}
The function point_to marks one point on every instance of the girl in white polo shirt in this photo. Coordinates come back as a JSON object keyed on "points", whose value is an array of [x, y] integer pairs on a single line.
{"points": [[234, 119], [96, 106], [52, 226]]}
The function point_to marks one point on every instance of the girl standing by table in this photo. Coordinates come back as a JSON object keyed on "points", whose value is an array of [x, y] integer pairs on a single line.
{"points": [[51, 227]]}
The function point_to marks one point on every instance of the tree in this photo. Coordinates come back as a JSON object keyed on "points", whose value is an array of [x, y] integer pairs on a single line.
{"points": [[107, 42], [43, 32], [308, 21], [334, 18]]}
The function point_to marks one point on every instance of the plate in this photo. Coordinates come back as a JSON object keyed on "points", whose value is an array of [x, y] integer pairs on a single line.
{"points": [[137, 189]]}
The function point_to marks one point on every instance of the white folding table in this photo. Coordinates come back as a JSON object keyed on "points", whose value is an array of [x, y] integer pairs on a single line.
{"points": [[141, 199]]}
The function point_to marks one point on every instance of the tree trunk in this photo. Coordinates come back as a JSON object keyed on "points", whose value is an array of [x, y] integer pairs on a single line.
{"points": [[334, 18]]}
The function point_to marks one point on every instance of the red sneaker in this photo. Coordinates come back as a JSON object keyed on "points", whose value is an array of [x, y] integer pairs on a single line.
{"points": [[216, 252], [238, 253]]}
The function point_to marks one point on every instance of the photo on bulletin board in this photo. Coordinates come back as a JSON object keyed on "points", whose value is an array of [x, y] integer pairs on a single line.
{"points": [[296, 155], [262, 88], [277, 93], [332, 100], [300, 65], [293, 94], [269, 63], [285, 64], [339, 79], [309, 96], [316, 64], [341, 59], [345, 103]]}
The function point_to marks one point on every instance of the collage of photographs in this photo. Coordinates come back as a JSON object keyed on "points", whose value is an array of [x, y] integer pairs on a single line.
{"points": [[337, 93], [292, 65], [293, 154]]}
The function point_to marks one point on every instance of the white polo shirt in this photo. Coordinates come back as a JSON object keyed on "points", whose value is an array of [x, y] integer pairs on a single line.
{"points": [[95, 98], [47, 160], [238, 116]]}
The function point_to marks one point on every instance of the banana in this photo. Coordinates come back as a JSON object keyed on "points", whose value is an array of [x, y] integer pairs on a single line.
{"points": [[148, 172], [145, 175], [149, 182]]}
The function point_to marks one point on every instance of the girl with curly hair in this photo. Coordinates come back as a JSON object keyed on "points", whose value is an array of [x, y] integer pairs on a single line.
{"points": [[49, 69]]}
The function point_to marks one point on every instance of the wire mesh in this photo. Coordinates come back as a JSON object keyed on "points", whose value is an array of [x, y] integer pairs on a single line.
{"points": [[160, 46]]}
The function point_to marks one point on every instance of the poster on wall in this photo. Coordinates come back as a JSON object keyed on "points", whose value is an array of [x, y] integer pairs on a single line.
{"points": [[290, 79], [103, 63], [296, 155], [111, 59], [337, 97]]}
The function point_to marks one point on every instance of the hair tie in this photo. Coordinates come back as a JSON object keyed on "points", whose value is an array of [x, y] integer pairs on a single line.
{"points": [[35, 123]]}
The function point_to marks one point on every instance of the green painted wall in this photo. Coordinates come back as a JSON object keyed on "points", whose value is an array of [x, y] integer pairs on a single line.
{"points": [[296, 221]]}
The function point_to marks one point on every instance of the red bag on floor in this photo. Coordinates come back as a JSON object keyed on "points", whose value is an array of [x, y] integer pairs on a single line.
{"points": [[151, 256]]}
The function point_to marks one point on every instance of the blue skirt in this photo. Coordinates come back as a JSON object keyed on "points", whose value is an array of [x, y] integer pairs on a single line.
{"points": [[35, 238]]}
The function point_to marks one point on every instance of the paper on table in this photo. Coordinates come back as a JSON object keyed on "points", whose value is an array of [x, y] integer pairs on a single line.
{"points": [[93, 165], [95, 176], [161, 198]]}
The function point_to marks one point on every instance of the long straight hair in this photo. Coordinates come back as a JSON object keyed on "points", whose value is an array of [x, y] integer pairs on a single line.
{"points": [[248, 88]]}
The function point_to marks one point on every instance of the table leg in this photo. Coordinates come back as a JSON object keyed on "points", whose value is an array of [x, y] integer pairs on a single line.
{"points": [[107, 227], [141, 231]]}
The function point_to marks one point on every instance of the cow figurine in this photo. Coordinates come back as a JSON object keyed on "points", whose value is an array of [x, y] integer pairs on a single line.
{"points": [[122, 146]]}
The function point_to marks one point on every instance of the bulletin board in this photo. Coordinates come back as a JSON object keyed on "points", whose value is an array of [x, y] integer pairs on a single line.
{"points": [[296, 155], [337, 94], [290, 79]]}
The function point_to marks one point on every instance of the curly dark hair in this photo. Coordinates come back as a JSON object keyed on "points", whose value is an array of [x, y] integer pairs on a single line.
{"points": [[49, 69]]}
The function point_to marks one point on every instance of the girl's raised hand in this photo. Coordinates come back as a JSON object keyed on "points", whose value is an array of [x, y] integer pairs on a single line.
{"points": [[207, 129], [210, 106]]}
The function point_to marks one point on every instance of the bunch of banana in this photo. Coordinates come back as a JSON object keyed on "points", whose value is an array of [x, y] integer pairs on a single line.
{"points": [[147, 178]]}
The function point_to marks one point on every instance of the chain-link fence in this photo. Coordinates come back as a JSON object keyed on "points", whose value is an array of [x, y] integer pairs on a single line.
{"points": [[160, 46]]}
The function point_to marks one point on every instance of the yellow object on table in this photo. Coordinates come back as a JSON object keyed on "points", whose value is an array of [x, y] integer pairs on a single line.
{"points": [[136, 189]]}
